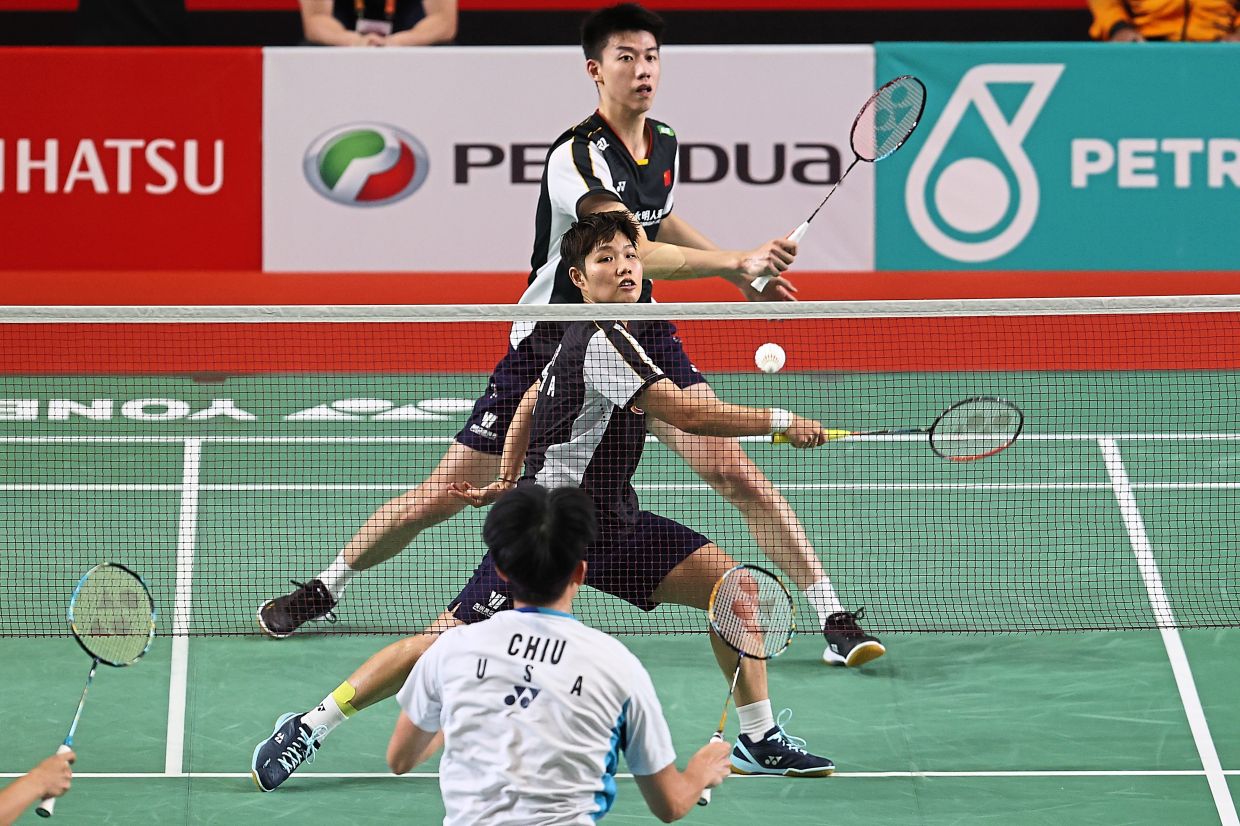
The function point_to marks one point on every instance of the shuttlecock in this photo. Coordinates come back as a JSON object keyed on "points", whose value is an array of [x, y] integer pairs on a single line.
{"points": [[769, 358]]}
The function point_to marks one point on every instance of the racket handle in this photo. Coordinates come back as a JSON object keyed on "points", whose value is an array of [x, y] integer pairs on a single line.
{"points": [[795, 236], [832, 435], [704, 797], [47, 806]]}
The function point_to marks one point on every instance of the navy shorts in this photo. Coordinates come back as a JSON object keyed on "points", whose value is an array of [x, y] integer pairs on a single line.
{"points": [[628, 563], [523, 365]]}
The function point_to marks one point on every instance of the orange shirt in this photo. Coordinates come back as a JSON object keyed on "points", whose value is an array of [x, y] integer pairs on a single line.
{"points": [[1165, 19]]}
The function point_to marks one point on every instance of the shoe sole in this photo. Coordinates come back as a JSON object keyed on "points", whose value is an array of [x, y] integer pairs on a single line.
{"points": [[263, 625], [858, 656], [787, 773], [280, 721]]}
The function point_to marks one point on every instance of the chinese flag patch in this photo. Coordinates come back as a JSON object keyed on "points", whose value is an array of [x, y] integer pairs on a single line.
{"points": [[667, 177]]}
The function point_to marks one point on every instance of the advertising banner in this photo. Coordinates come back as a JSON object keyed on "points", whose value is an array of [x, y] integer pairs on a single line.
{"points": [[130, 158], [429, 160], [1064, 156]]}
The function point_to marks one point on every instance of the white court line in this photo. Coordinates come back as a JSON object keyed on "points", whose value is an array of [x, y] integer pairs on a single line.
{"points": [[1143, 549], [303, 776], [187, 530]]}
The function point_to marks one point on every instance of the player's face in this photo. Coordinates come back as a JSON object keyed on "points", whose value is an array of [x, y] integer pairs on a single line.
{"points": [[613, 273], [628, 73]]}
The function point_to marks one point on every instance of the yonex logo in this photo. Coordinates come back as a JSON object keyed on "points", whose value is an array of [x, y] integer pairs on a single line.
{"points": [[522, 695], [973, 219], [366, 164], [772, 760]]}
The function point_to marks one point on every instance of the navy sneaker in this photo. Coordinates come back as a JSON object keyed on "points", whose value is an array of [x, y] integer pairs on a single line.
{"points": [[289, 745], [847, 643], [281, 616], [778, 753]]}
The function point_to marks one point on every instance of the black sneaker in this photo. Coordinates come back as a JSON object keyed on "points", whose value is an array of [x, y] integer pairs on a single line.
{"points": [[289, 745], [281, 616], [778, 753], [847, 643]]}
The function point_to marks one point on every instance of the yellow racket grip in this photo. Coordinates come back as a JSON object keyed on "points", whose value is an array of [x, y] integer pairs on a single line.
{"points": [[832, 434]]}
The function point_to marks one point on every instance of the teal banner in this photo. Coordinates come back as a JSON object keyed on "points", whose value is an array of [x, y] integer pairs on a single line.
{"points": [[1083, 156]]}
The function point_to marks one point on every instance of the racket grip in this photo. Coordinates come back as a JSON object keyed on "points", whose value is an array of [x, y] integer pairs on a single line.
{"points": [[795, 236], [47, 806], [832, 435], [704, 797]]}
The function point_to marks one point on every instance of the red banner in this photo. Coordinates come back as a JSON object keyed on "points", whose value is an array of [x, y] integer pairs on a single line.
{"points": [[130, 158]]}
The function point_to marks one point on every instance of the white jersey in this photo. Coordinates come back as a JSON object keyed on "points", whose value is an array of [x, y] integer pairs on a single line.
{"points": [[535, 708]]}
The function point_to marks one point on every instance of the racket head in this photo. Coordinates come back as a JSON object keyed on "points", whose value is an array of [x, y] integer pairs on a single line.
{"points": [[976, 428], [753, 612], [888, 118], [112, 614]]}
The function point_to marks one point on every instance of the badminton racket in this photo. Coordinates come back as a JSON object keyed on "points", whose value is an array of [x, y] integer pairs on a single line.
{"points": [[752, 611], [968, 430], [883, 125], [112, 617]]}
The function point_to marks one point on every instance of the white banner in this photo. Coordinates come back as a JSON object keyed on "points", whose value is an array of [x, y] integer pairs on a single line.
{"points": [[429, 159]]}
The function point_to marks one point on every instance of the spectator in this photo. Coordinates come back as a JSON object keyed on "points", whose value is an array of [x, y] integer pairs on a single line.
{"points": [[1135, 21], [378, 22], [48, 779]]}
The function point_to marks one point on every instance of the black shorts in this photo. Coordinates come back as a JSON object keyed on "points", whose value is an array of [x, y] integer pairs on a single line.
{"points": [[628, 564], [523, 365]]}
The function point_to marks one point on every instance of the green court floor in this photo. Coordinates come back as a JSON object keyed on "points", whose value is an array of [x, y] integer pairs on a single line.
{"points": [[1114, 510]]}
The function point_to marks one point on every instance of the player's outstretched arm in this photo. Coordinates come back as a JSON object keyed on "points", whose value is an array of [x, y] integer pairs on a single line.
{"points": [[706, 416], [671, 794], [516, 444], [678, 231]]}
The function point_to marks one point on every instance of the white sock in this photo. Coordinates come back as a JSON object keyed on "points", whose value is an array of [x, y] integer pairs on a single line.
{"points": [[822, 597], [336, 578], [327, 714], [756, 719]]}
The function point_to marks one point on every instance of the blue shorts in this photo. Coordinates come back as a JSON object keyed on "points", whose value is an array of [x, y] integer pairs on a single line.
{"points": [[523, 365], [628, 563]]}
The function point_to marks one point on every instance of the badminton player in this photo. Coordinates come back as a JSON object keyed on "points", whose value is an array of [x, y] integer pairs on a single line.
{"points": [[535, 707]]}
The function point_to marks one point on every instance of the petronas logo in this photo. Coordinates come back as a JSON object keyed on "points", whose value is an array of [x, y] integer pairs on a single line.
{"points": [[366, 164]]}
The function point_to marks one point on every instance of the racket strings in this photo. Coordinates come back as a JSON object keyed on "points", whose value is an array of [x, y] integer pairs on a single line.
{"points": [[753, 612], [976, 428], [112, 616], [888, 118]]}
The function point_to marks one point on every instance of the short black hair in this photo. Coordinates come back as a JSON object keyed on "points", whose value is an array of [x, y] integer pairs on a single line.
{"points": [[599, 26], [536, 538], [589, 231]]}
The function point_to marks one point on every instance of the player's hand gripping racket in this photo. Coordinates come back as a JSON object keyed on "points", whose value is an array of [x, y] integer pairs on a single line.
{"points": [[882, 126], [112, 616], [970, 429], [752, 611]]}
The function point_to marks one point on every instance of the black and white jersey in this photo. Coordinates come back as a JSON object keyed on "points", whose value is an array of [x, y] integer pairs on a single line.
{"points": [[586, 432], [590, 160]]}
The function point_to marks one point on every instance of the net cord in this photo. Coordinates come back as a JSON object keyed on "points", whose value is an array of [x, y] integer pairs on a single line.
{"points": [[405, 313]]}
